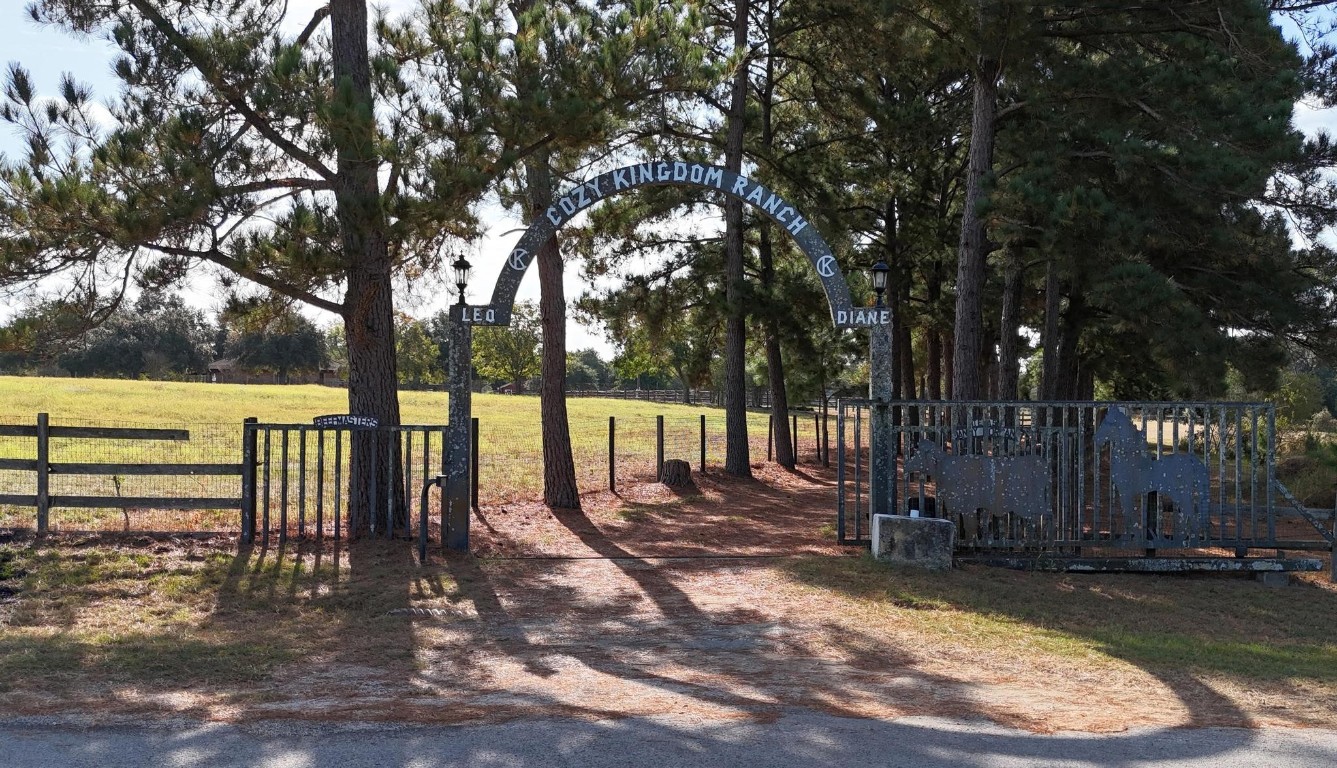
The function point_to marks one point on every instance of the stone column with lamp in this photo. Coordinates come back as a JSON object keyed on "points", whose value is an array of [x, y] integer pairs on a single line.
{"points": [[882, 461], [455, 501]]}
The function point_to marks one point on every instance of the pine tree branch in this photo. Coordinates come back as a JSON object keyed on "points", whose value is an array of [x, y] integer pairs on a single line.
{"points": [[223, 260], [265, 185], [320, 15], [235, 99]]}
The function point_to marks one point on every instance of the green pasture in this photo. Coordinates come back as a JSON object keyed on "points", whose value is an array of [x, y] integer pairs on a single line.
{"points": [[510, 454], [153, 402]]}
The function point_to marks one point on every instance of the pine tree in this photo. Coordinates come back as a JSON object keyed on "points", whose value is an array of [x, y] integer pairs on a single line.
{"points": [[318, 159]]}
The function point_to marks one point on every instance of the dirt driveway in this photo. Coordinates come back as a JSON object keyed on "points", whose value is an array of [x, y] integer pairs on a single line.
{"points": [[731, 602]]}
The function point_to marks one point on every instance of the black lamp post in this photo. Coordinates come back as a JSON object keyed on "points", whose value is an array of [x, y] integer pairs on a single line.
{"points": [[879, 271], [462, 269]]}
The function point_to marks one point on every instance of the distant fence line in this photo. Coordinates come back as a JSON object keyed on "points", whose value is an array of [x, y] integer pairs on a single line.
{"points": [[756, 398], [78, 475], [686, 397]]}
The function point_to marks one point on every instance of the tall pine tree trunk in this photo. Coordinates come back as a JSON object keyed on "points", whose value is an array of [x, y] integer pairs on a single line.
{"points": [[1009, 344], [933, 382], [736, 460], [948, 361], [933, 289], [369, 302], [785, 454], [905, 340], [974, 247], [559, 467], [775, 366], [1049, 337], [1062, 332], [1070, 331]]}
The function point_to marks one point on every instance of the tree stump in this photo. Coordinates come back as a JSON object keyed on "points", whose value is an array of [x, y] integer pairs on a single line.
{"points": [[677, 473]]}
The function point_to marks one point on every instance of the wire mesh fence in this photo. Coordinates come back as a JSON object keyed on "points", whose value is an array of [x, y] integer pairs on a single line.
{"points": [[76, 474], [302, 471]]}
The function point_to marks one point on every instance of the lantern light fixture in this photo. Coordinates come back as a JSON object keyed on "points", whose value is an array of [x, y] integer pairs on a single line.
{"points": [[879, 271], [462, 269]]}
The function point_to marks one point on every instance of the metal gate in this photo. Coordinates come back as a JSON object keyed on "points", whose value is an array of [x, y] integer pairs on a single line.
{"points": [[296, 477], [1060, 476]]}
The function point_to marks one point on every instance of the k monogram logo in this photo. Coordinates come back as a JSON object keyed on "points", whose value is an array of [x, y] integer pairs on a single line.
{"points": [[519, 259], [826, 266]]}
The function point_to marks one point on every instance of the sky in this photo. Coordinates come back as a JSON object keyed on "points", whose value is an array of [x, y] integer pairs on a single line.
{"points": [[49, 52]]}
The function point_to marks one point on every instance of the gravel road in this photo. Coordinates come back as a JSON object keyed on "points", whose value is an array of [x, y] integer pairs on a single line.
{"points": [[797, 738]]}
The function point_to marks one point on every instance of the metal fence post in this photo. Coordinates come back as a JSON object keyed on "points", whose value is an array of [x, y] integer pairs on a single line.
{"points": [[612, 454], [249, 446], [43, 472], [659, 448], [301, 484], [338, 478], [703, 443], [826, 438], [840, 473], [283, 488], [817, 434]]}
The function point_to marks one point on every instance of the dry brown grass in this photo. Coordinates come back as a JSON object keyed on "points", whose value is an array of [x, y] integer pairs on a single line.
{"points": [[198, 627]]}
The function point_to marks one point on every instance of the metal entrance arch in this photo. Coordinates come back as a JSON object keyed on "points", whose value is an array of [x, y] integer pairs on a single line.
{"points": [[455, 523], [683, 174]]}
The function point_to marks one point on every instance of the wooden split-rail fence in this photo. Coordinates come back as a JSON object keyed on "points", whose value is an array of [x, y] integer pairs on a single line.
{"points": [[44, 432]]}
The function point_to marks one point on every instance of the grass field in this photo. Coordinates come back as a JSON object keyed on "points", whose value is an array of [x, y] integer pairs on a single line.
{"points": [[510, 448], [153, 402]]}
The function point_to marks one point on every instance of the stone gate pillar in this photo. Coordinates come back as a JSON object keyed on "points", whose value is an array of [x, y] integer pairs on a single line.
{"points": [[882, 462], [459, 381]]}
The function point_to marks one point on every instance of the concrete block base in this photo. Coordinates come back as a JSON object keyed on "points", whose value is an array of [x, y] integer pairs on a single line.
{"points": [[922, 542]]}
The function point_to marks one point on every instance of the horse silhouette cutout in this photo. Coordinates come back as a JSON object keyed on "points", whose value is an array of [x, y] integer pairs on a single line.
{"points": [[996, 484], [1179, 477]]}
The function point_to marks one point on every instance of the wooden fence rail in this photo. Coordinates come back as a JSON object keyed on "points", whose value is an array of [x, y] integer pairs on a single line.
{"points": [[316, 473], [44, 468]]}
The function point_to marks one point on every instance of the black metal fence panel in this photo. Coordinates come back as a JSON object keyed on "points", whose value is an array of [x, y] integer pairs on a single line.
{"points": [[303, 479], [1067, 475]]}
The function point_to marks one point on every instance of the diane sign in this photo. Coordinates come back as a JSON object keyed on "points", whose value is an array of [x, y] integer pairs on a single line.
{"points": [[674, 173], [863, 318]]}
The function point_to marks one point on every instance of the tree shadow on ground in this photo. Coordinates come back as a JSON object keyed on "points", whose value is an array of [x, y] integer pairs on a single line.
{"points": [[655, 611], [372, 635], [780, 514], [1197, 635]]}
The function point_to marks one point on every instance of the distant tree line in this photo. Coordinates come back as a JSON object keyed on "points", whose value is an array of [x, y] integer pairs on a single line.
{"points": [[160, 337]]}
